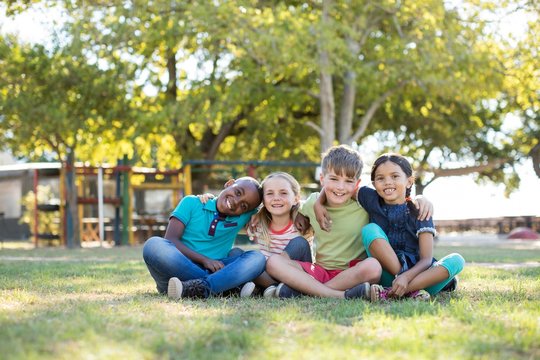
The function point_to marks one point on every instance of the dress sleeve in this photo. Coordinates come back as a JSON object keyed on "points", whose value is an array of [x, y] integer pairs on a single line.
{"points": [[368, 198], [425, 226]]}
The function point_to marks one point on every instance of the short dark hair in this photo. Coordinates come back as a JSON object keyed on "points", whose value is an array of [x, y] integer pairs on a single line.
{"points": [[255, 183]]}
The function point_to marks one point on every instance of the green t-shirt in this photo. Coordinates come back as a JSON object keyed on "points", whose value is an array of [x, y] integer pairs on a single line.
{"points": [[336, 249]]}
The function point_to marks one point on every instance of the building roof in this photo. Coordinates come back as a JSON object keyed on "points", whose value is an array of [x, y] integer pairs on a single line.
{"points": [[17, 170]]}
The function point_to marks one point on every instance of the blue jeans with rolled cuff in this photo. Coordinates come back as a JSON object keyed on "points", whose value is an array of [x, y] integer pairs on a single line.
{"points": [[453, 263], [165, 261]]}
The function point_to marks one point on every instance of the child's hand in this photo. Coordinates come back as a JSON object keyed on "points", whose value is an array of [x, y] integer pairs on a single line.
{"points": [[205, 197], [302, 223], [213, 265], [252, 227], [399, 286], [424, 206], [321, 214], [252, 232]]}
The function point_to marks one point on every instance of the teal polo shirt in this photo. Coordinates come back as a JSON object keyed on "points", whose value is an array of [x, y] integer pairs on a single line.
{"points": [[205, 231]]}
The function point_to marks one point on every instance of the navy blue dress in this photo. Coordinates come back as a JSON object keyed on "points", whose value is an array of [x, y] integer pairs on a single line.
{"points": [[398, 223]]}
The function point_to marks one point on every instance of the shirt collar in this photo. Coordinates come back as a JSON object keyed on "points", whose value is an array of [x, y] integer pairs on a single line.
{"points": [[211, 205]]}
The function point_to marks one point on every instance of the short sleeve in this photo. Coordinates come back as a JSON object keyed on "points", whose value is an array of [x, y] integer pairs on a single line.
{"points": [[306, 207], [423, 226], [184, 209], [368, 198]]}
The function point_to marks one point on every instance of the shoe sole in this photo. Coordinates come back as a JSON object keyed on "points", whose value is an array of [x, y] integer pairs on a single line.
{"points": [[247, 289], [375, 292], [456, 284], [278, 290], [367, 291], [270, 292], [174, 289]]}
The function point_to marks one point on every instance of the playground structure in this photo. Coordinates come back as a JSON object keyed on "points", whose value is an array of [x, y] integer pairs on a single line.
{"points": [[124, 204], [105, 203]]}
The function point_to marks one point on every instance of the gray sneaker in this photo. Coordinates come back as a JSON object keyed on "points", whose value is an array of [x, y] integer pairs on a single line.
{"points": [[284, 292], [247, 289], [360, 291], [270, 292], [195, 289]]}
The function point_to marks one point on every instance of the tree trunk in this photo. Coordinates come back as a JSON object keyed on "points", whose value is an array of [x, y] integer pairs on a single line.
{"points": [[172, 88], [328, 120], [73, 234], [347, 107], [419, 187], [535, 154]]}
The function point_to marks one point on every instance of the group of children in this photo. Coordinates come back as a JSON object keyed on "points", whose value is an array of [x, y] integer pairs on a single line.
{"points": [[344, 242]]}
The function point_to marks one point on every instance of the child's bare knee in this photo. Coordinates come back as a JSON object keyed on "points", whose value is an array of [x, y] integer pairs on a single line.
{"points": [[373, 269], [273, 262]]}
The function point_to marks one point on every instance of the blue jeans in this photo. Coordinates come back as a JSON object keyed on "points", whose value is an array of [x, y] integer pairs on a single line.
{"points": [[297, 249], [165, 261], [453, 263]]}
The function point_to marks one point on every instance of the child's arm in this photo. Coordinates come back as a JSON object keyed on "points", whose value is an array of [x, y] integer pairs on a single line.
{"points": [[302, 223], [205, 197], [252, 227], [401, 282], [174, 232], [424, 206], [321, 214]]}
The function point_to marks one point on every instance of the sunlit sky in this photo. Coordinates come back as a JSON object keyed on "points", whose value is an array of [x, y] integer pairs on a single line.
{"points": [[453, 197]]}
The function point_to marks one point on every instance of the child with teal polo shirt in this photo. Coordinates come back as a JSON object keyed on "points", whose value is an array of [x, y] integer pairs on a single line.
{"points": [[192, 259]]}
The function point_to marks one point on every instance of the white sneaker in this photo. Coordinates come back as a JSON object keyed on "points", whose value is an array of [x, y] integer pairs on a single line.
{"points": [[174, 290], [247, 289], [270, 292]]}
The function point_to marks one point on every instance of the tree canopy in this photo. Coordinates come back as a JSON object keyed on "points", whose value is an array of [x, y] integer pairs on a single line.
{"points": [[163, 82]]}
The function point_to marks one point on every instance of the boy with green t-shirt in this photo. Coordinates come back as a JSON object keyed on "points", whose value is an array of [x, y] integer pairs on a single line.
{"points": [[341, 268]]}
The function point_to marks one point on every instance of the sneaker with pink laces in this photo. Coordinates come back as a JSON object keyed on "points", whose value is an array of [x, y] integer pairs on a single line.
{"points": [[419, 295], [378, 293]]}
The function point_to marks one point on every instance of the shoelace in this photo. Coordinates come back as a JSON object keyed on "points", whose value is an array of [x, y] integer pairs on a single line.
{"points": [[384, 293]]}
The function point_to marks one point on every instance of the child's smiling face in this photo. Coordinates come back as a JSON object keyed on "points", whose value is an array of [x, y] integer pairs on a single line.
{"points": [[338, 188], [240, 197], [391, 182], [278, 196]]}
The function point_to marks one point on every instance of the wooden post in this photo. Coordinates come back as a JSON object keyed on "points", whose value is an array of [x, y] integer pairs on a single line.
{"points": [[36, 215], [187, 180], [100, 205], [126, 208]]}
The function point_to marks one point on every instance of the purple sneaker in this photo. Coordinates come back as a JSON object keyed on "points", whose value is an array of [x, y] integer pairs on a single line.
{"points": [[378, 293]]}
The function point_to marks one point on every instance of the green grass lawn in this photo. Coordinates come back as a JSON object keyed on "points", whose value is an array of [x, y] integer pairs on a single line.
{"points": [[101, 304]]}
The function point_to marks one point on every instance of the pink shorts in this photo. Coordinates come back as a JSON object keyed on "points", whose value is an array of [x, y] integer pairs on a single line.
{"points": [[321, 274]]}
